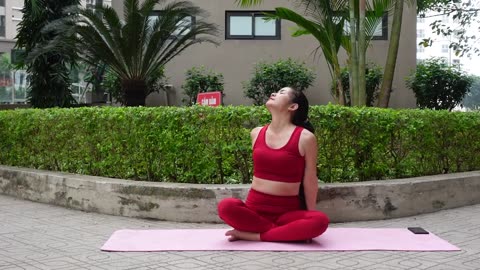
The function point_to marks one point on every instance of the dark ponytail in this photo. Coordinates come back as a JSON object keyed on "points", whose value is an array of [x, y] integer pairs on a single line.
{"points": [[308, 126], [300, 118]]}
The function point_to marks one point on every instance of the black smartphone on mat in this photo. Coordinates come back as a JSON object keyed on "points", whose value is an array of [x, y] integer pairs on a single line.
{"points": [[417, 230]]}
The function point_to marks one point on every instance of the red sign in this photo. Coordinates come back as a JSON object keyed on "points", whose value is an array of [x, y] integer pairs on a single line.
{"points": [[209, 99], [5, 82]]}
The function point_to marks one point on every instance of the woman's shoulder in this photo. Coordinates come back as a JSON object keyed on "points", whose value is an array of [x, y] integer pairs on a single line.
{"points": [[307, 142], [254, 132], [307, 136]]}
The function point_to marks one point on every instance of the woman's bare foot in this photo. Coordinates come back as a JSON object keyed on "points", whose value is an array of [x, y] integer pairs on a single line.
{"points": [[239, 235]]}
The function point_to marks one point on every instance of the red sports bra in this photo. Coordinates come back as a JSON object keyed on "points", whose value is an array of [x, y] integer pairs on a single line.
{"points": [[284, 164]]}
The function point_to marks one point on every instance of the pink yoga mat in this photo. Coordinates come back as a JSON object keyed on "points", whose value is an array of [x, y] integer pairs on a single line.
{"points": [[334, 239]]}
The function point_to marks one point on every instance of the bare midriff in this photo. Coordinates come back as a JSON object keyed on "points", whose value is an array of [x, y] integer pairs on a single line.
{"points": [[275, 187]]}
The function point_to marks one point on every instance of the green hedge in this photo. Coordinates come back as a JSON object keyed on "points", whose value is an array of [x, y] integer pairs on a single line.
{"points": [[212, 145]]}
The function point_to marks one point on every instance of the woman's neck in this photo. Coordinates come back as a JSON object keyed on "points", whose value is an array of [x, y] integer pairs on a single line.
{"points": [[280, 122]]}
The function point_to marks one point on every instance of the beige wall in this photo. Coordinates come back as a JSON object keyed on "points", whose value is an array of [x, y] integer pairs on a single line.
{"points": [[236, 58]]}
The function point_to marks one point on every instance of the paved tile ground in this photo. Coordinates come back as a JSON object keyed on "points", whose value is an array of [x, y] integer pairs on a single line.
{"points": [[40, 236]]}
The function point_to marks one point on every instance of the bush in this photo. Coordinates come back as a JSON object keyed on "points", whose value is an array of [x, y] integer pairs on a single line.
{"points": [[271, 77], [374, 75], [201, 144], [201, 80], [437, 85]]}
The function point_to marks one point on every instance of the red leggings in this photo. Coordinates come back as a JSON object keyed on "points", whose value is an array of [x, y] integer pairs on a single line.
{"points": [[276, 218]]}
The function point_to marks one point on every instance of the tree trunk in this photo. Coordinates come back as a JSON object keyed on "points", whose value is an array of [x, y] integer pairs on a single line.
{"points": [[337, 79], [339, 87], [386, 89], [354, 54], [362, 93], [134, 92]]}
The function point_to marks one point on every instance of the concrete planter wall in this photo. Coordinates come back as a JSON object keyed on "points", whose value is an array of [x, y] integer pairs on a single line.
{"points": [[198, 203]]}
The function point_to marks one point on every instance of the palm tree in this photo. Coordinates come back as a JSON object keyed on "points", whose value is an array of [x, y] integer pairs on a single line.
{"points": [[327, 25], [358, 11], [48, 70], [365, 16], [138, 47], [323, 21]]}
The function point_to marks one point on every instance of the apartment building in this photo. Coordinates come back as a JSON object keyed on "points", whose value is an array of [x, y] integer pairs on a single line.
{"points": [[441, 44], [10, 16]]}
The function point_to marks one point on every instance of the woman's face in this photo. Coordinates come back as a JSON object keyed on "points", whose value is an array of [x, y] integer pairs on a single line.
{"points": [[280, 99]]}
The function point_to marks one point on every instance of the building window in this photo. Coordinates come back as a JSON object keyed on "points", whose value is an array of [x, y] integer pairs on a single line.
{"points": [[445, 48], [420, 19], [250, 25], [2, 18], [381, 32], [456, 62], [183, 26], [420, 33], [92, 4], [420, 49]]}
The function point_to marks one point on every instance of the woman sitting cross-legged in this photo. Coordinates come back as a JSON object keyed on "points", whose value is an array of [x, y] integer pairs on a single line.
{"points": [[280, 205]]}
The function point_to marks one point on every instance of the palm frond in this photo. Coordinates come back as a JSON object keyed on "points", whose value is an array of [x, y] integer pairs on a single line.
{"points": [[316, 29], [148, 6], [36, 6], [346, 44], [97, 37], [200, 33], [371, 25], [299, 31], [379, 7], [138, 47], [248, 3], [323, 8], [168, 31]]}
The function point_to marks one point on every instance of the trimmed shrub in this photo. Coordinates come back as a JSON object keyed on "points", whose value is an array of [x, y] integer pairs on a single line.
{"points": [[201, 144], [201, 80], [271, 77], [439, 86]]}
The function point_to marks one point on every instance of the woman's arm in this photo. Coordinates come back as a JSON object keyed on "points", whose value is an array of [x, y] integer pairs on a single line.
{"points": [[310, 180]]}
